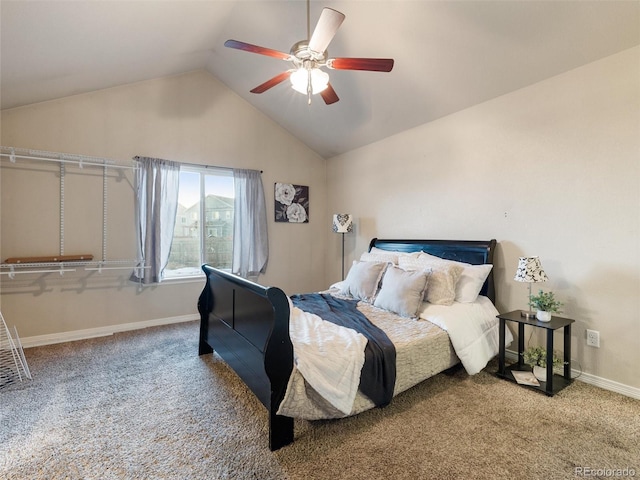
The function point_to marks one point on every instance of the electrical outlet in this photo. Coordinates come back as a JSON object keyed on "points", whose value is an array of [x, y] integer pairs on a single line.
{"points": [[593, 338]]}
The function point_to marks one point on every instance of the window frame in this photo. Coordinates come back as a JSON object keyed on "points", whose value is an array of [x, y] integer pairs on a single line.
{"points": [[202, 171]]}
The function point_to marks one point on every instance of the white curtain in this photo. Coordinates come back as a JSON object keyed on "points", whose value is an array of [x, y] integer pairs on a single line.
{"points": [[250, 242], [156, 188]]}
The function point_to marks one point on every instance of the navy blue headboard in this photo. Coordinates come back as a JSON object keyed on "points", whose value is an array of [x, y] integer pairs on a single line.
{"points": [[466, 251]]}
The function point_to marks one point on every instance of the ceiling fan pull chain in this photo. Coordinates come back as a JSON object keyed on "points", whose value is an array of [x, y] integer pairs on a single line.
{"points": [[309, 91]]}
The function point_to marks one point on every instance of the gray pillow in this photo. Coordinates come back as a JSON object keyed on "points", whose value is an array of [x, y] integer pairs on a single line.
{"points": [[402, 291], [363, 279]]}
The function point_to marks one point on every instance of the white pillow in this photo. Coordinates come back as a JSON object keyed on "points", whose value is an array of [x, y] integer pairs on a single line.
{"points": [[402, 291], [386, 257], [444, 277], [363, 279], [471, 279]]}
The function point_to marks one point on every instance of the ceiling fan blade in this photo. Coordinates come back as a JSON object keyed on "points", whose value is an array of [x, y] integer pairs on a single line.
{"points": [[327, 26], [370, 64], [281, 77], [329, 95], [247, 47]]}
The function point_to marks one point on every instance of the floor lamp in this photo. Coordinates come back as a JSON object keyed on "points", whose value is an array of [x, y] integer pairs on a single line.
{"points": [[342, 223], [530, 271]]}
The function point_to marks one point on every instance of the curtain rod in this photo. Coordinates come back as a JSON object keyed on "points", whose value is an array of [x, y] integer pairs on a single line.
{"points": [[197, 165]]}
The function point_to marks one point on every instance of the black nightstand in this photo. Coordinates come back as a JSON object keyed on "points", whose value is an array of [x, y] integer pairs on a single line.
{"points": [[554, 383]]}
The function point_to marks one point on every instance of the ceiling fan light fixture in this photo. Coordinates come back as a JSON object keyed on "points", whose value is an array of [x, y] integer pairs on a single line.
{"points": [[308, 56], [300, 80]]}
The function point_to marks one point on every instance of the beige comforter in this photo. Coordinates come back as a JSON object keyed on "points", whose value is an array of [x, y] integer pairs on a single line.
{"points": [[422, 350]]}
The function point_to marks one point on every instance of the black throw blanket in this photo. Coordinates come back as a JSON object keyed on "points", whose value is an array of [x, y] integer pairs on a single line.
{"points": [[378, 376]]}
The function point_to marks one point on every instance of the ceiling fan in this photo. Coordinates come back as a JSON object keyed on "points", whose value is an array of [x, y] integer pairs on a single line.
{"points": [[309, 56]]}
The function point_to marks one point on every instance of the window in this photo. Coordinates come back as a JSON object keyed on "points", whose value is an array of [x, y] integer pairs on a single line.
{"points": [[206, 197]]}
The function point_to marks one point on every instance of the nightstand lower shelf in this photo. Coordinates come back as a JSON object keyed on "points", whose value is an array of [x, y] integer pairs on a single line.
{"points": [[559, 382]]}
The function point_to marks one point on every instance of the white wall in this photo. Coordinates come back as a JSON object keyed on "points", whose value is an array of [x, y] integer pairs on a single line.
{"points": [[191, 118], [550, 170]]}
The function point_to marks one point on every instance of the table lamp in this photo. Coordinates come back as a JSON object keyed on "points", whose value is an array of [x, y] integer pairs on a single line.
{"points": [[530, 271]]}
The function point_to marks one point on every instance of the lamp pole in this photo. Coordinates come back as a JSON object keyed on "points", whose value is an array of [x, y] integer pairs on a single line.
{"points": [[343, 256]]}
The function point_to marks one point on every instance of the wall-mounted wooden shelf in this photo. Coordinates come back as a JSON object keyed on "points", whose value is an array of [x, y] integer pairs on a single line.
{"points": [[50, 259]]}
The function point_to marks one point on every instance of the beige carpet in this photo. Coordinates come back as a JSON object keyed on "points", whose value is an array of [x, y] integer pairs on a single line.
{"points": [[144, 405]]}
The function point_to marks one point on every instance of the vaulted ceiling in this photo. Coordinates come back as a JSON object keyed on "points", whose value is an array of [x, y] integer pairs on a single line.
{"points": [[449, 55]]}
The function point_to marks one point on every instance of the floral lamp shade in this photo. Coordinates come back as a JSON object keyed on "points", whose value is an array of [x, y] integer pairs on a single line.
{"points": [[530, 270], [342, 223]]}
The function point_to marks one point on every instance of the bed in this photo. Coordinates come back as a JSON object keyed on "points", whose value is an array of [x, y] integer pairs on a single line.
{"points": [[248, 325]]}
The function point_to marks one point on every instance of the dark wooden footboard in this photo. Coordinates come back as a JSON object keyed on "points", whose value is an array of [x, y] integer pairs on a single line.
{"points": [[248, 326]]}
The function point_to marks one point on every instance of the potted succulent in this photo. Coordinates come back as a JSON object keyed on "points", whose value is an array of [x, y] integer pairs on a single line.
{"points": [[545, 303], [537, 358]]}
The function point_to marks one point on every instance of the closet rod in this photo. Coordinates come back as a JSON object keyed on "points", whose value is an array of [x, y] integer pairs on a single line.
{"points": [[80, 160], [80, 163], [80, 263], [99, 269], [61, 271]]}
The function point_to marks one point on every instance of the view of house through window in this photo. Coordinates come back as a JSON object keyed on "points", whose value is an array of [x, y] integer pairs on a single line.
{"points": [[203, 230]]}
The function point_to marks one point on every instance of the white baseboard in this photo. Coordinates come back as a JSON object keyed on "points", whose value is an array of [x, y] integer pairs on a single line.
{"points": [[594, 380], [620, 388], [62, 337]]}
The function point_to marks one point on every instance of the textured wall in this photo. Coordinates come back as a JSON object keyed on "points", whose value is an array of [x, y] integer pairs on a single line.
{"points": [[550, 170]]}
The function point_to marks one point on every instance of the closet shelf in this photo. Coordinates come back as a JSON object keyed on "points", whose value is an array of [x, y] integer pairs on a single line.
{"points": [[11, 269], [78, 263], [67, 266], [62, 262], [14, 153]]}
